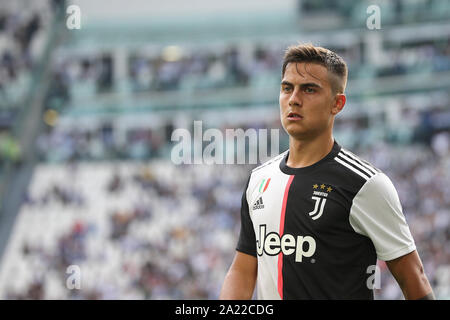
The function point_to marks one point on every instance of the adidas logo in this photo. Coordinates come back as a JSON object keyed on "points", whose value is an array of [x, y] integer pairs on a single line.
{"points": [[258, 204]]}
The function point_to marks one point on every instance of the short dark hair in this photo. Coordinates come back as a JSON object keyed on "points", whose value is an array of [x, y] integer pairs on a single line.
{"points": [[322, 56]]}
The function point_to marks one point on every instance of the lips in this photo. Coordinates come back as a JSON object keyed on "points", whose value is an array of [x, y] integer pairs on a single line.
{"points": [[294, 116]]}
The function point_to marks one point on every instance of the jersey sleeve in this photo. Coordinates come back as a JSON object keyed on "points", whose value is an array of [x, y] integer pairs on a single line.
{"points": [[376, 212], [247, 238]]}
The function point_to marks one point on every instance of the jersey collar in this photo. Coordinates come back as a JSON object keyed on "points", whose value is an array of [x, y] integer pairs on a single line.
{"points": [[288, 170]]}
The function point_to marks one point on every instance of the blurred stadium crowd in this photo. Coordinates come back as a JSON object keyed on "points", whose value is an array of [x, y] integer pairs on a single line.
{"points": [[152, 231], [23, 37], [139, 227], [232, 65]]}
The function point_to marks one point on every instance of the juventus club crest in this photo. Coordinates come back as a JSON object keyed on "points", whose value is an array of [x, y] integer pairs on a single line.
{"points": [[320, 194]]}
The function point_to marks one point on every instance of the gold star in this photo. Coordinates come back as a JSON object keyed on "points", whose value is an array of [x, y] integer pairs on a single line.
{"points": [[329, 189], [315, 186], [322, 186]]}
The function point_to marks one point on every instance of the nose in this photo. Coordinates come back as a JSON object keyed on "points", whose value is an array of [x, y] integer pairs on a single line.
{"points": [[294, 99]]}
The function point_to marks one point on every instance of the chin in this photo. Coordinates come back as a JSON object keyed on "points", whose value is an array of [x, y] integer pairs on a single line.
{"points": [[297, 134], [293, 130]]}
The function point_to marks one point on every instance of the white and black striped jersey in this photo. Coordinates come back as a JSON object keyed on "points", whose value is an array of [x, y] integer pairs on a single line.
{"points": [[317, 230]]}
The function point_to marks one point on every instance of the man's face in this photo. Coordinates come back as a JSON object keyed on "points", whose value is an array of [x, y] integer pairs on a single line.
{"points": [[307, 102]]}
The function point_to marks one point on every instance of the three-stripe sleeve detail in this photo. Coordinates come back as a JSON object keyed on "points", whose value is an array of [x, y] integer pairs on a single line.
{"points": [[356, 165]]}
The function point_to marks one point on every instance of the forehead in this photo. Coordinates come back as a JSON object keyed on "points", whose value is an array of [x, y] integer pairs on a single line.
{"points": [[301, 72]]}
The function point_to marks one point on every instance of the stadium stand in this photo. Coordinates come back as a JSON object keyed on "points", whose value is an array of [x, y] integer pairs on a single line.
{"points": [[104, 195]]}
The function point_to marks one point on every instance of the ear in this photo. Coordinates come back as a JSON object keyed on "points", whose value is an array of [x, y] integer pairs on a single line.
{"points": [[339, 103]]}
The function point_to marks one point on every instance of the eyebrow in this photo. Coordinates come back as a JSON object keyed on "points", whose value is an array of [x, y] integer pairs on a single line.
{"points": [[303, 85]]}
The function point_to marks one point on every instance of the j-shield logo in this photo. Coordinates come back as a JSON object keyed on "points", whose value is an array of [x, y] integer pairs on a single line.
{"points": [[262, 188], [320, 194]]}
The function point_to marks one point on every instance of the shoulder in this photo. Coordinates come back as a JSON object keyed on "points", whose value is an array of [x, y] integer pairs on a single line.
{"points": [[268, 168], [353, 165], [379, 188], [374, 183], [271, 164]]}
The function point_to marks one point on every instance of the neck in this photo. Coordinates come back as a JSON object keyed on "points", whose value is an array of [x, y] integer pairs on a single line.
{"points": [[303, 153]]}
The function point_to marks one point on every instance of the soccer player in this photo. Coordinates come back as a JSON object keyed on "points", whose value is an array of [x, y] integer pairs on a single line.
{"points": [[315, 218]]}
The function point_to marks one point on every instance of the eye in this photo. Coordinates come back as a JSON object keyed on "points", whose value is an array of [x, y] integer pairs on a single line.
{"points": [[286, 88], [310, 90]]}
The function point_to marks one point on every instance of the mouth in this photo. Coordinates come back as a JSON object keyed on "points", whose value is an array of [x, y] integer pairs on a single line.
{"points": [[294, 116]]}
